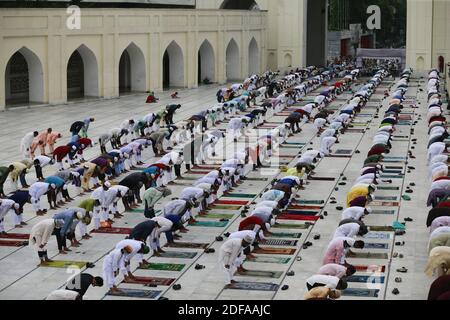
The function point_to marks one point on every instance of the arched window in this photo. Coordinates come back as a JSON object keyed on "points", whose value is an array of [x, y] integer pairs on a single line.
{"points": [[173, 66], [24, 78], [132, 75], [233, 61], [82, 74], [206, 63], [441, 64]]}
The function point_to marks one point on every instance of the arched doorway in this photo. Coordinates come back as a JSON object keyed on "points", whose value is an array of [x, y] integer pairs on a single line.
{"points": [[271, 61], [173, 66], [420, 63], [253, 58], [441, 62], [82, 74], [132, 75], [24, 79], [288, 60], [316, 33], [233, 63], [206, 63]]}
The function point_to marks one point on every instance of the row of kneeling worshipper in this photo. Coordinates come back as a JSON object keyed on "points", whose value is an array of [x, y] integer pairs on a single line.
{"points": [[104, 199], [255, 228], [439, 216], [330, 279]]}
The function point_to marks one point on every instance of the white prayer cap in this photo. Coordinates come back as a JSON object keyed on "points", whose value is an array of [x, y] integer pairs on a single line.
{"points": [[74, 148], [65, 187], [16, 206], [268, 226], [249, 239], [107, 184], [369, 210], [272, 222], [53, 186], [80, 215]]}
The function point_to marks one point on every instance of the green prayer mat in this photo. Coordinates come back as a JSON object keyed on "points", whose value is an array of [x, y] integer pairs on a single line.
{"points": [[291, 226], [178, 255], [383, 212], [388, 176], [274, 260], [164, 267], [142, 211], [226, 207], [280, 242], [240, 195], [291, 147], [369, 255], [388, 188], [253, 286], [261, 274], [311, 202], [217, 216], [65, 264], [286, 235], [187, 245], [366, 279], [210, 224], [133, 293], [357, 292], [386, 198], [294, 143]]}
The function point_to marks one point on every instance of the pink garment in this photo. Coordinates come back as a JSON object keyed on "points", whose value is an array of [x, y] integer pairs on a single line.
{"points": [[334, 270], [52, 137], [335, 252], [42, 137]]}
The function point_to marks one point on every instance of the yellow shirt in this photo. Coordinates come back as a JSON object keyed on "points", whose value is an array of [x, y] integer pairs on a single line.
{"points": [[357, 192]]}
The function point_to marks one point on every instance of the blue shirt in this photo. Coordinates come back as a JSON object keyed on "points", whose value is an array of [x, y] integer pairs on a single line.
{"points": [[20, 197], [57, 181], [68, 216]]}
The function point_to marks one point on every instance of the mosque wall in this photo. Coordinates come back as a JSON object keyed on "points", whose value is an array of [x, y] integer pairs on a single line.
{"points": [[50, 49]]}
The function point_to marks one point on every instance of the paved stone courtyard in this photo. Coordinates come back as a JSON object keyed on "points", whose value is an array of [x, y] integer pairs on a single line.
{"points": [[22, 279]]}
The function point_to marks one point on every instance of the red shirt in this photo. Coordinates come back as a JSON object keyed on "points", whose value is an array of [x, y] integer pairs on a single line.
{"points": [[250, 223]]}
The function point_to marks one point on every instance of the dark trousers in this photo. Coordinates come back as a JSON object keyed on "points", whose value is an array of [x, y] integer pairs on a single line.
{"points": [[148, 212], [177, 168], [23, 182], [38, 169], [61, 240]]}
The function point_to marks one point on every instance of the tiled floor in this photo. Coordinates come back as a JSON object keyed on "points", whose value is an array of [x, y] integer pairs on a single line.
{"points": [[21, 279]]}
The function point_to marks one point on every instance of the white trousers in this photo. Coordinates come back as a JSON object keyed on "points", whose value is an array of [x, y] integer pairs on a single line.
{"points": [[108, 273]]}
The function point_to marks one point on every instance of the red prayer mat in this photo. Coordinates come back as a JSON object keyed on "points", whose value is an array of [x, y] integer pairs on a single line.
{"points": [[365, 268], [278, 251], [232, 202], [150, 280], [113, 231], [11, 243], [306, 207], [15, 236], [297, 217]]}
